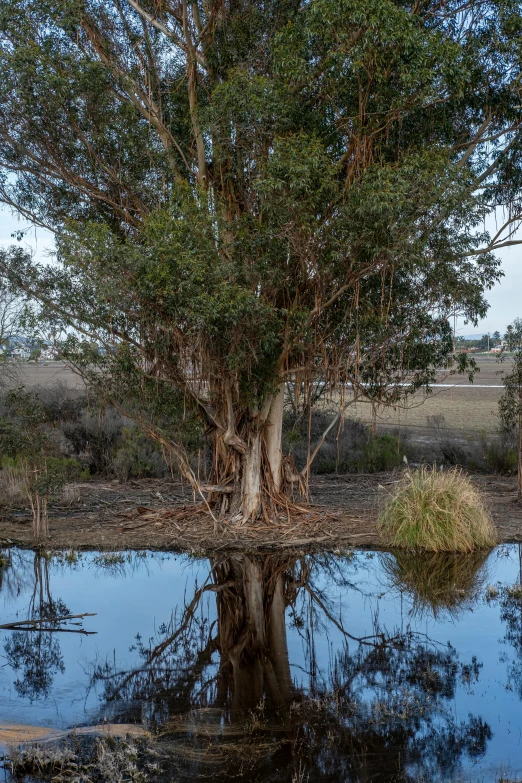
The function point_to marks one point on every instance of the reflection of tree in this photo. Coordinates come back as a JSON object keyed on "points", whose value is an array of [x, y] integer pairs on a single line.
{"points": [[440, 583], [15, 573], [224, 693], [36, 655], [510, 600]]}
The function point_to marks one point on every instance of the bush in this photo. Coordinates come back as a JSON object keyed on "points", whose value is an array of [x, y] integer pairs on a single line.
{"points": [[349, 449], [439, 511], [11, 489], [138, 456], [382, 452], [501, 455]]}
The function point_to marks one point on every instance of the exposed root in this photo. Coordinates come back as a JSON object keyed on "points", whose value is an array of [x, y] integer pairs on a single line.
{"points": [[293, 525]]}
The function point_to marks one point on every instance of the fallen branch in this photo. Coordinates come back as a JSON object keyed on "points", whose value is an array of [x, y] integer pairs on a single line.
{"points": [[36, 624]]}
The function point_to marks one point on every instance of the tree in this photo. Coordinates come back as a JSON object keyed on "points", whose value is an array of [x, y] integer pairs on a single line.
{"points": [[10, 315], [250, 193], [510, 404]]}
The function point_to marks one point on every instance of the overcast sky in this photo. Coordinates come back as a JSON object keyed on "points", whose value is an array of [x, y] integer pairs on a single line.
{"points": [[505, 298]]}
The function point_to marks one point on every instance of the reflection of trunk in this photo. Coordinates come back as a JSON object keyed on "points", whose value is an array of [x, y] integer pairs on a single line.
{"points": [[252, 633]]}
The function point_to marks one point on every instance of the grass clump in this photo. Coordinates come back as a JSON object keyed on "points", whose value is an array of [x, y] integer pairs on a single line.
{"points": [[437, 511]]}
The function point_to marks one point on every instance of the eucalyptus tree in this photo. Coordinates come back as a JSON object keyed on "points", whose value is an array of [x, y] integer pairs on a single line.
{"points": [[250, 193]]}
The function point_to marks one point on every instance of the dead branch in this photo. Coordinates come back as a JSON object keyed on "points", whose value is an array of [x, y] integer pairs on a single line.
{"points": [[38, 624]]}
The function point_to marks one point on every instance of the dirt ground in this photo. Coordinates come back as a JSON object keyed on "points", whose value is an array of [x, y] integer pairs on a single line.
{"points": [[153, 514]]}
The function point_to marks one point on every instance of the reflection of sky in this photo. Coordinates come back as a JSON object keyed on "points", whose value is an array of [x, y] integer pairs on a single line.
{"points": [[144, 596], [478, 632], [138, 602]]}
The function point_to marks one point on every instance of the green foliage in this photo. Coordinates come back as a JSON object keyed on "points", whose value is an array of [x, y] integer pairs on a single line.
{"points": [[501, 456], [305, 192], [30, 455], [382, 452], [437, 511], [352, 448]]}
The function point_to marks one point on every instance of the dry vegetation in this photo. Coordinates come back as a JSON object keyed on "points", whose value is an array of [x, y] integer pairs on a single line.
{"points": [[438, 511], [440, 583]]}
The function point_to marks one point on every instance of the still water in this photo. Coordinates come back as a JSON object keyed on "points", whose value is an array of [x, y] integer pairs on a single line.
{"points": [[353, 667]]}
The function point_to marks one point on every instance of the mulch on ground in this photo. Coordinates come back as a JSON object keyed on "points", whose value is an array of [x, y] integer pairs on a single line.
{"points": [[154, 514]]}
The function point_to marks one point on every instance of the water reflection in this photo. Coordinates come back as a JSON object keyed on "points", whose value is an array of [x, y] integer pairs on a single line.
{"points": [[273, 667], [36, 657], [222, 691], [441, 584]]}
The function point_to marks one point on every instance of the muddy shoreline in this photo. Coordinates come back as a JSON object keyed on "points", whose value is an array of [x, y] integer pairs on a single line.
{"points": [[159, 515]]}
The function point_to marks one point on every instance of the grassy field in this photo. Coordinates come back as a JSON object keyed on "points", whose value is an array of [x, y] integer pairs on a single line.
{"points": [[43, 374], [466, 407], [470, 408]]}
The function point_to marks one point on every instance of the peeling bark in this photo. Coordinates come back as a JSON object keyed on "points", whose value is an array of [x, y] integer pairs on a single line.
{"points": [[273, 436]]}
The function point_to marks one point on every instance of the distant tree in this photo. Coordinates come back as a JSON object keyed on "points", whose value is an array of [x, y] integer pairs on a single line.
{"points": [[483, 343], [496, 338], [250, 193], [510, 404], [11, 307]]}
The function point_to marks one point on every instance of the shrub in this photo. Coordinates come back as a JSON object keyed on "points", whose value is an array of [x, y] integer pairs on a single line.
{"points": [[501, 455], [350, 448], [138, 456], [439, 511], [382, 452], [11, 488]]}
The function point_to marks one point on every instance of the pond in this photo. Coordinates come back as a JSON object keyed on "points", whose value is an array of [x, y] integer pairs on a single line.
{"points": [[360, 666]]}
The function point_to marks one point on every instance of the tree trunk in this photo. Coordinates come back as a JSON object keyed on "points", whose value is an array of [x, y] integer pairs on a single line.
{"points": [[519, 472], [281, 687], [274, 435], [251, 483], [252, 633]]}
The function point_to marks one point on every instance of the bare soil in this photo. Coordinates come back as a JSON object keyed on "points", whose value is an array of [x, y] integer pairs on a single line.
{"points": [[157, 514]]}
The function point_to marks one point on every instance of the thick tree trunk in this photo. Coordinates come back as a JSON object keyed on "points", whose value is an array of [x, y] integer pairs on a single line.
{"points": [[251, 481], [247, 474], [519, 472], [273, 436]]}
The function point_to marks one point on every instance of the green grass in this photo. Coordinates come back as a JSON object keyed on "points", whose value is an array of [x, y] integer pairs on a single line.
{"points": [[436, 511]]}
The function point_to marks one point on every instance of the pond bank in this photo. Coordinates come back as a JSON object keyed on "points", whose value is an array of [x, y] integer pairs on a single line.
{"points": [[160, 515]]}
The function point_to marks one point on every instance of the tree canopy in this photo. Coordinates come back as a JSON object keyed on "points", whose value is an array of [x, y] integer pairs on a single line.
{"points": [[247, 193]]}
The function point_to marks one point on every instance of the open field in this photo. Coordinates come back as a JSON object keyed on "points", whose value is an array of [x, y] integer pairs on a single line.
{"points": [[43, 374], [468, 408]]}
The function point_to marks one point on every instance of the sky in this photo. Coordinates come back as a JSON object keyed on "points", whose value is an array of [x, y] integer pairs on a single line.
{"points": [[505, 298]]}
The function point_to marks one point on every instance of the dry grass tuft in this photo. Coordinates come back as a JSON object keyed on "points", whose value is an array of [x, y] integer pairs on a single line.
{"points": [[437, 511]]}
